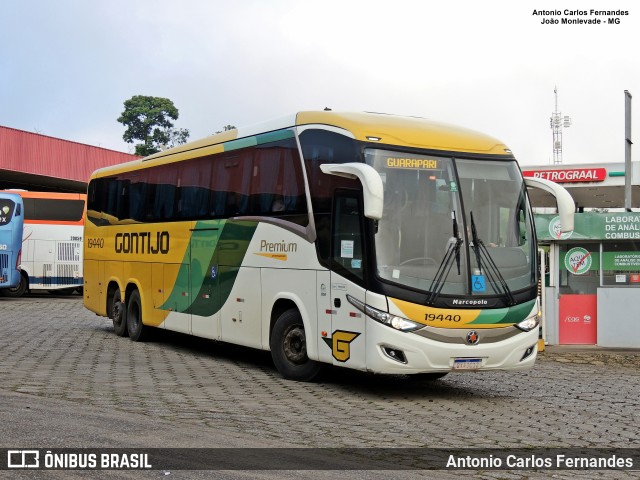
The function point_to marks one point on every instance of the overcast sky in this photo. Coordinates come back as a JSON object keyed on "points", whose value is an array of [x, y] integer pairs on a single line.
{"points": [[67, 66]]}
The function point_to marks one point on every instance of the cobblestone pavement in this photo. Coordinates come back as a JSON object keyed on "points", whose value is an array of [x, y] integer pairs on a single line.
{"points": [[51, 347]]}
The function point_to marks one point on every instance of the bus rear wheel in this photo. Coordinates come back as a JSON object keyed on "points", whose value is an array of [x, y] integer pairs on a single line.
{"points": [[136, 329], [118, 314], [289, 348], [18, 290]]}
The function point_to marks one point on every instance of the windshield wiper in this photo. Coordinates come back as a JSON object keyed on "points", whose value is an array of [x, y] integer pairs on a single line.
{"points": [[492, 271], [453, 252]]}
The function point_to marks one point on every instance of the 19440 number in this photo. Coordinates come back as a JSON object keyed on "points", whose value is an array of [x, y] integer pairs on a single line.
{"points": [[95, 242], [432, 317]]}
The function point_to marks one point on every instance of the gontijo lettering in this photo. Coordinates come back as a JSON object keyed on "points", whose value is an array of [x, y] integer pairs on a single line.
{"points": [[415, 163], [142, 242]]}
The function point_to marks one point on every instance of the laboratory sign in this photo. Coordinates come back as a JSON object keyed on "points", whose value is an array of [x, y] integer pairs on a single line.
{"points": [[591, 226]]}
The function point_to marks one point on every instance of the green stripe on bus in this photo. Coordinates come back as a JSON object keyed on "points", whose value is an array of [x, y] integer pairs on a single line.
{"points": [[258, 140], [208, 278], [504, 315], [240, 143], [274, 136]]}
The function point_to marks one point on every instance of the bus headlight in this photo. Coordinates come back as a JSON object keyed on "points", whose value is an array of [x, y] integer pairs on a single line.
{"points": [[530, 323], [393, 321]]}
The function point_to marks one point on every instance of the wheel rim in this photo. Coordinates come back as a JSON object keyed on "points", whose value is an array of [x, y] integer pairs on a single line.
{"points": [[295, 345]]}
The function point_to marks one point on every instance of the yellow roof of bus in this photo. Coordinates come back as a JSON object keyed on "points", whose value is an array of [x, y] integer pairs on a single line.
{"points": [[390, 129]]}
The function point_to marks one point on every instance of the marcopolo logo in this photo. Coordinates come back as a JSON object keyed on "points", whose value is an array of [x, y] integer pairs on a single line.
{"points": [[578, 261]]}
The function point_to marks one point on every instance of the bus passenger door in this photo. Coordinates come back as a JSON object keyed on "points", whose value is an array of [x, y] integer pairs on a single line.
{"points": [[203, 283], [347, 322], [325, 309]]}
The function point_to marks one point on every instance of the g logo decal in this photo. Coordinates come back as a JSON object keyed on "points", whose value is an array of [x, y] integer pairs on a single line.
{"points": [[340, 344]]}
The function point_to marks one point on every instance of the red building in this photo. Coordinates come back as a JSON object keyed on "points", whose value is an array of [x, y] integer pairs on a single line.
{"points": [[32, 161]]}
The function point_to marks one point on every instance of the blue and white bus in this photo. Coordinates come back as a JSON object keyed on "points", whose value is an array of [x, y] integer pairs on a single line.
{"points": [[51, 243], [11, 226]]}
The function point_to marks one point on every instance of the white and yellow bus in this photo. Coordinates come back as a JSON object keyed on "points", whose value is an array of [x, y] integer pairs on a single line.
{"points": [[375, 242]]}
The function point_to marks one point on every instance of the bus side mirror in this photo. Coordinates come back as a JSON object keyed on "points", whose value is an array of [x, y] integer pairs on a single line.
{"points": [[566, 206], [372, 187]]}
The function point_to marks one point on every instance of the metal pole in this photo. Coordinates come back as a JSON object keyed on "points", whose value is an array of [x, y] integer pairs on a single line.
{"points": [[627, 150], [543, 284]]}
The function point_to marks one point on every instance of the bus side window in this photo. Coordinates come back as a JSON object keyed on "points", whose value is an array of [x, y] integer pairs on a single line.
{"points": [[347, 251]]}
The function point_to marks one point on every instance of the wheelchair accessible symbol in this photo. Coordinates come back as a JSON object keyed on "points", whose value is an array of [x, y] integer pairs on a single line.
{"points": [[478, 283]]}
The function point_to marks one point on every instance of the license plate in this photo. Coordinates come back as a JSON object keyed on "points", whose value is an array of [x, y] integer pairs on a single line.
{"points": [[467, 363]]}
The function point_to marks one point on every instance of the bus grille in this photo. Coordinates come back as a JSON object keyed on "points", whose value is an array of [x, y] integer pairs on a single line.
{"points": [[4, 268], [69, 252], [67, 274], [46, 274]]}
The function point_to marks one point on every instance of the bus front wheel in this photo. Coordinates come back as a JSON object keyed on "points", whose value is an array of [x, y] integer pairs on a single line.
{"points": [[118, 314], [289, 348], [136, 329], [18, 290]]}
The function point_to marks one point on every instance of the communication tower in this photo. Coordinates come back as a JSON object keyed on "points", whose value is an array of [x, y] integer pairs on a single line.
{"points": [[558, 122]]}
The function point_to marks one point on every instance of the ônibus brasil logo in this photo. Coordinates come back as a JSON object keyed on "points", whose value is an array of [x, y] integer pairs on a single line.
{"points": [[578, 261], [554, 230]]}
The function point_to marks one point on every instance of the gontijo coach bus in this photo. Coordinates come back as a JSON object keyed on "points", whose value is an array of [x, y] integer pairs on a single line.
{"points": [[375, 242], [11, 225]]}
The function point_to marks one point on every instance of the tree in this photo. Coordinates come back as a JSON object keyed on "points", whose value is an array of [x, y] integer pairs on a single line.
{"points": [[148, 119], [226, 128]]}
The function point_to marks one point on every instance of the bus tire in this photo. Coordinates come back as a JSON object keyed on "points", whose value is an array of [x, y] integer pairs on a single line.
{"points": [[289, 348], [19, 290], [136, 329], [118, 314]]}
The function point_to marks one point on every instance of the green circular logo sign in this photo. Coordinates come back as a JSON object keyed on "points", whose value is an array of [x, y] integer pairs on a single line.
{"points": [[554, 230], [578, 261]]}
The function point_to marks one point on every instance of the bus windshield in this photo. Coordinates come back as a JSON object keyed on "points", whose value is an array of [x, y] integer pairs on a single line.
{"points": [[7, 207], [453, 226]]}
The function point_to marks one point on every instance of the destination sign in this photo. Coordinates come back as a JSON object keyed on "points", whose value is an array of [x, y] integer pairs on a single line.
{"points": [[413, 163]]}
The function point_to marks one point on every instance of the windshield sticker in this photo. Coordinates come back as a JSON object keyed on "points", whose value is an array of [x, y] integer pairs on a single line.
{"points": [[356, 263], [346, 249], [453, 186], [478, 283]]}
